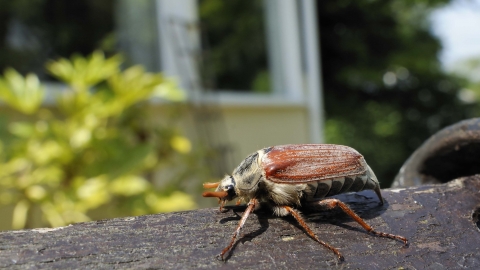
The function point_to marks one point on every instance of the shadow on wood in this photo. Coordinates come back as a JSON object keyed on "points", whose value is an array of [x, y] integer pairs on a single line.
{"points": [[438, 220]]}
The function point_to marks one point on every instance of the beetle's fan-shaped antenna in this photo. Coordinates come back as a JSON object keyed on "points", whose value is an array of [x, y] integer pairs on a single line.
{"points": [[211, 185], [216, 194]]}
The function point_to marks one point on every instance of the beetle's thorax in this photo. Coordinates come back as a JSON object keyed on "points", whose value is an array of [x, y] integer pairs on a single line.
{"points": [[248, 180], [248, 175], [244, 179]]}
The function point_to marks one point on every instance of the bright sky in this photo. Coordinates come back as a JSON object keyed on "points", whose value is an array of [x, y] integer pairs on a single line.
{"points": [[458, 27]]}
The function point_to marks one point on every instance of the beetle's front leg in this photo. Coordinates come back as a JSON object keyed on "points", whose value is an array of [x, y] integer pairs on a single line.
{"points": [[251, 205], [332, 203]]}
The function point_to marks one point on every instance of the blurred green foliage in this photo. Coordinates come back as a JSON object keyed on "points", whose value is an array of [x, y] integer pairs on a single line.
{"points": [[235, 49], [96, 147], [469, 70], [384, 88], [31, 32]]}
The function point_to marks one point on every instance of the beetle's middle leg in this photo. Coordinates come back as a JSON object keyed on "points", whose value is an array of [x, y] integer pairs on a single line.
{"points": [[310, 232], [332, 203]]}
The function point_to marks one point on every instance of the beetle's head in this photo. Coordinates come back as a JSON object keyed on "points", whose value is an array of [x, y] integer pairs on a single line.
{"points": [[225, 190]]}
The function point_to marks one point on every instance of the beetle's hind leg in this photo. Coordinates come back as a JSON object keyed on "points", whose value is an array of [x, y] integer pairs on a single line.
{"points": [[332, 203], [310, 232]]}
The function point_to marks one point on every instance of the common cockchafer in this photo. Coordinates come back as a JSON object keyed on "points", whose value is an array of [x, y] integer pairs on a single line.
{"points": [[285, 177]]}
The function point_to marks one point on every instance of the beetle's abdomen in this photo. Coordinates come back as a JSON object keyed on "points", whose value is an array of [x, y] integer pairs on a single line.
{"points": [[331, 187]]}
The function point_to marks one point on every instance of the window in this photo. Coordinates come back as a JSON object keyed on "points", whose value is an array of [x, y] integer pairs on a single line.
{"points": [[234, 49], [237, 62]]}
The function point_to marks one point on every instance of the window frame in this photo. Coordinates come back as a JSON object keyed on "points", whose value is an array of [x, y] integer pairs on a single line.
{"points": [[293, 53]]}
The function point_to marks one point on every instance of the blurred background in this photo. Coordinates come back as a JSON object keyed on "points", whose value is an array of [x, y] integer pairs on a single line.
{"points": [[124, 107]]}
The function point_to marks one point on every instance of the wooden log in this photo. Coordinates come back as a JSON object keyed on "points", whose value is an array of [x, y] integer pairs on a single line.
{"points": [[451, 153], [438, 220]]}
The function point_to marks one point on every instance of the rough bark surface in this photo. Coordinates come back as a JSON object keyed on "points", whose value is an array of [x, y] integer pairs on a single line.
{"points": [[439, 220]]}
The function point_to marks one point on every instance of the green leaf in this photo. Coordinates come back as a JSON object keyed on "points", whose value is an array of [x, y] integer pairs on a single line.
{"points": [[24, 94], [21, 129], [93, 192], [129, 185], [84, 72], [177, 201], [169, 90], [20, 213]]}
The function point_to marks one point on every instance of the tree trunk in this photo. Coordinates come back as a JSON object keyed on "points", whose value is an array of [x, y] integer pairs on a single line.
{"points": [[440, 222]]}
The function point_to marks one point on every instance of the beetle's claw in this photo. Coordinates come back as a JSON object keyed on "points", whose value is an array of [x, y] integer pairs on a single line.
{"points": [[222, 203], [220, 257]]}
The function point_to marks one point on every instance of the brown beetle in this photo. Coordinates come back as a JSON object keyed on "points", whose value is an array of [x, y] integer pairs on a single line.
{"points": [[288, 176]]}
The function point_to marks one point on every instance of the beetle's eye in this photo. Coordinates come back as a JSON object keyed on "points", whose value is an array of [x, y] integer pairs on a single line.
{"points": [[230, 190]]}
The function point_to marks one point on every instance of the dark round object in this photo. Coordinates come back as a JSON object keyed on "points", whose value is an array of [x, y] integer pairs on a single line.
{"points": [[451, 153]]}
